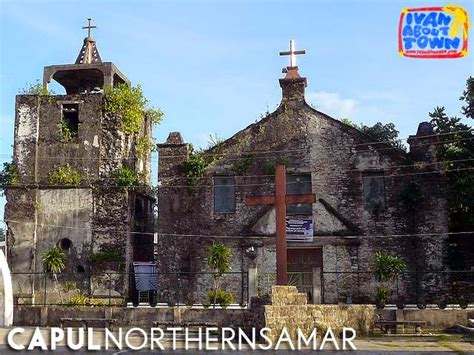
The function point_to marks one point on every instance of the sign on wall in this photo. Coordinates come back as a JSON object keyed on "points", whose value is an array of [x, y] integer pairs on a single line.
{"points": [[299, 229]]}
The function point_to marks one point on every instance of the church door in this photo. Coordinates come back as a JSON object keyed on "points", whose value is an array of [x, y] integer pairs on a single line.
{"points": [[304, 271]]}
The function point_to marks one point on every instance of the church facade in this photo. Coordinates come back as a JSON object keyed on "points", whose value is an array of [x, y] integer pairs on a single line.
{"points": [[370, 197]]}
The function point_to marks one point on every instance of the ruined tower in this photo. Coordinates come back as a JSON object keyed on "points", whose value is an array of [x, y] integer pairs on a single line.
{"points": [[71, 154]]}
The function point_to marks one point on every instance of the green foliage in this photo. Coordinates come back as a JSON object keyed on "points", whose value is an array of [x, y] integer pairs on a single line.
{"points": [[411, 195], [84, 301], [36, 88], [144, 146], [381, 296], [8, 176], [131, 105], [387, 267], [126, 177], [379, 132], [468, 97], [348, 122], [270, 167], [54, 260], [107, 256], [242, 165], [65, 175], [66, 133], [218, 258], [195, 167], [382, 133], [221, 297], [457, 144], [214, 141], [155, 115]]}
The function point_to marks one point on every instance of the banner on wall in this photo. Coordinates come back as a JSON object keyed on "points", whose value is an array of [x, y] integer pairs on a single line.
{"points": [[299, 229]]}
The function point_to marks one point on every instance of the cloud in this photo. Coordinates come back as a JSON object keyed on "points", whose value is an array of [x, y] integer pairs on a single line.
{"points": [[383, 96], [333, 104]]}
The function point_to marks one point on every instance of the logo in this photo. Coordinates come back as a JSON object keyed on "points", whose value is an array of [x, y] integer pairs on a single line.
{"points": [[433, 32]]}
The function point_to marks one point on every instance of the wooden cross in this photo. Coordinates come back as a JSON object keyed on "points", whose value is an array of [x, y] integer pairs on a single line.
{"points": [[280, 200], [292, 53], [89, 27]]}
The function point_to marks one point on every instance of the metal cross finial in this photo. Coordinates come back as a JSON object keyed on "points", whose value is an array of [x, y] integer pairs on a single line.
{"points": [[89, 27], [292, 53]]}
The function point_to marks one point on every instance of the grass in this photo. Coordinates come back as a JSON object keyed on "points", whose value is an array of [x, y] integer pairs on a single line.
{"points": [[446, 341]]}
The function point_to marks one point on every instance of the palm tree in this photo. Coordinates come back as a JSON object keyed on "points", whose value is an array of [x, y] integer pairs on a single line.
{"points": [[54, 260]]}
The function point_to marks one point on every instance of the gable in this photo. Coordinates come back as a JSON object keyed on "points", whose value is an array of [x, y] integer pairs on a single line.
{"points": [[326, 221]]}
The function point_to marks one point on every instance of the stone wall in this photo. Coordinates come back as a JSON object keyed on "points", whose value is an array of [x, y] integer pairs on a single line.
{"points": [[289, 309], [337, 156], [95, 217]]}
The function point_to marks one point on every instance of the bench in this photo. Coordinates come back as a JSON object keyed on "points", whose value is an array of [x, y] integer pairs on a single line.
{"points": [[85, 322], [387, 325]]}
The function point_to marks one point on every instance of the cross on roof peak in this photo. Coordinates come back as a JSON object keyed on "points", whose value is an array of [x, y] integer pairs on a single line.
{"points": [[292, 53], [89, 27]]}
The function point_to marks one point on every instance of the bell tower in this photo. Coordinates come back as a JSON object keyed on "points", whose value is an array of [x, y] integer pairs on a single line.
{"points": [[88, 74]]}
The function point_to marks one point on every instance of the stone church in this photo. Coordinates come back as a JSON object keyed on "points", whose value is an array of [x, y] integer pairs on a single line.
{"points": [[100, 226], [370, 197]]}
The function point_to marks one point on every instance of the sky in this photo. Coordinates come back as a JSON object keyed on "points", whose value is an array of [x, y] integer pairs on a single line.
{"points": [[213, 66]]}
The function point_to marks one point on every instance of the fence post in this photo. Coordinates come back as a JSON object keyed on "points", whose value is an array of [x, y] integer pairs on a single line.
{"points": [[316, 285], [44, 297], [110, 286], [252, 283]]}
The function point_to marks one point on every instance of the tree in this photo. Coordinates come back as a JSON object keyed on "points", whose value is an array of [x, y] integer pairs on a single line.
{"points": [[2, 235], [386, 269], [456, 150], [218, 259], [379, 132]]}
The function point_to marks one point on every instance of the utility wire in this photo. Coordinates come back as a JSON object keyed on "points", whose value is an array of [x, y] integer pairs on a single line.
{"points": [[229, 236], [228, 156], [417, 165], [319, 178]]}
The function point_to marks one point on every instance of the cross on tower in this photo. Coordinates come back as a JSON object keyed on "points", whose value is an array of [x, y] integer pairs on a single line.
{"points": [[279, 200], [293, 53], [89, 27]]}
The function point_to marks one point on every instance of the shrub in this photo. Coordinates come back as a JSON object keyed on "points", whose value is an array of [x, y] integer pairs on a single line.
{"points": [[8, 176], [36, 88], [54, 260], [66, 133], [144, 146], [131, 105], [65, 175], [82, 300], [242, 165], [219, 296], [125, 177], [270, 167], [195, 167], [387, 266]]}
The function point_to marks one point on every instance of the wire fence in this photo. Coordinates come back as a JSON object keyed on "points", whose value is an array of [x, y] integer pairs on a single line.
{"points": [[419, 288], [192, 288], [121, 289]]}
